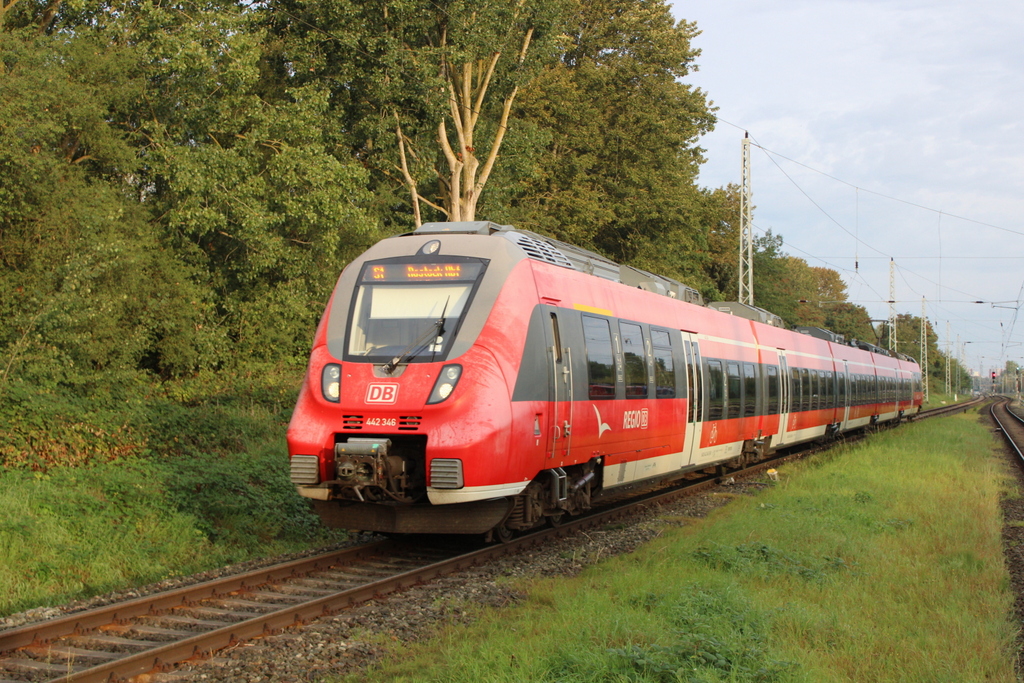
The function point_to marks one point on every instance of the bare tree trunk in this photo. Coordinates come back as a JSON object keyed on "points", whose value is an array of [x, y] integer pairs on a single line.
{"points": [[48, 16], [410, 182], [467, 91]]}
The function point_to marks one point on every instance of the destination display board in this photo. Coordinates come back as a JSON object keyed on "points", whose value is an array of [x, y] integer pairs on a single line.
{"points": [[421, 272]]}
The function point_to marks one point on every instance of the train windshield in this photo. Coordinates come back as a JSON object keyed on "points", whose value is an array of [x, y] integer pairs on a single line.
{"points": [[410, 309]]}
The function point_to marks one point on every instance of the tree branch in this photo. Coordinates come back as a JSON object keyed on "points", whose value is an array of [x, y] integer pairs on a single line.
{"points": [[409, 181]]}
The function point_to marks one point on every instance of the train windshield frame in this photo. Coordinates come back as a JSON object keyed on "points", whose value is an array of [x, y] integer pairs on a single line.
{"points": [[410, 307]]}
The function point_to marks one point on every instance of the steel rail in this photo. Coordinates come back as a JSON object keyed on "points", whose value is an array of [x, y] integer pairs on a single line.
{"points": [[80, 622], [1004, 408]]}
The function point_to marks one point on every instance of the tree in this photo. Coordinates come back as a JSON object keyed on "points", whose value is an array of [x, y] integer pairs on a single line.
{"points": [[617, 170], [426, 89], [73, 244]]}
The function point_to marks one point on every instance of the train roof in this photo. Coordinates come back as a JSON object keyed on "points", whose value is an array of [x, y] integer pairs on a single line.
{"points": [[542, 248]]}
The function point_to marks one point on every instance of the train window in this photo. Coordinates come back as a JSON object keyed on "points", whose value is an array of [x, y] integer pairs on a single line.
{"points": [[733, 390], [815, 390], [409, 310], [557, 338], [633, 359], [773, 390], [795, 396], [689, 368], [805, 387], [716, 390], [600, 358], [698, 381], [749, 390], [664, 369]]}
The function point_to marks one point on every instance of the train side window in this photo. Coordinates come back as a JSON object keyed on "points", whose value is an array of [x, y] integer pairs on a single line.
{"points": [[698, 382], [716, 390], [633, 359], [805, 387], [664, 368], [815, 390], [557, 338], [600, 357], [733, 390], [795, 396], [689, 372], [773, 390], [749, 390]]}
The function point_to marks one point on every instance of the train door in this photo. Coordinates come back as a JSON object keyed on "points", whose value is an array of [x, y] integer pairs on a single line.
{"points": [[694, 395], [785, 399], [560, 429]]}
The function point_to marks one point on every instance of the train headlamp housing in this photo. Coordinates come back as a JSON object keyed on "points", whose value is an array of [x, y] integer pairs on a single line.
{"points": [[330, 382], [445, 384]]}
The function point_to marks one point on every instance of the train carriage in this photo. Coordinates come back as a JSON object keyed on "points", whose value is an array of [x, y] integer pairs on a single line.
{"points": [[474, 378]]}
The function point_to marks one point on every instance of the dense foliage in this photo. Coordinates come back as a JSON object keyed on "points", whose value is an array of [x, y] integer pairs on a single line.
{"points": [[181, 181]]}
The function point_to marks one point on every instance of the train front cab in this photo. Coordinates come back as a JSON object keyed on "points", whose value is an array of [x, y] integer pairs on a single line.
{"points": [[405, 406]]}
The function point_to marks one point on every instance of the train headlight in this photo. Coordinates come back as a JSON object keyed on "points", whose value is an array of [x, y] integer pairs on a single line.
{"points": [[330, 382], [445, 384]]}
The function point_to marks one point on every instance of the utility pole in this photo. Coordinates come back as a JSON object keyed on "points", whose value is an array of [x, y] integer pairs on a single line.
{"points": [[924, 351], [959, 365], [746, 288], [949, 352], [892, 306]]}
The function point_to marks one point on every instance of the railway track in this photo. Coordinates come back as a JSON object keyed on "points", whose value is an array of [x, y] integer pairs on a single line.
{"points": [[1010, 424], [153, 633]]}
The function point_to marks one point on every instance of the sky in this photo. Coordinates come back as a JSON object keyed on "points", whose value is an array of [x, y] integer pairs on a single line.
{"points": [[881, 130]]}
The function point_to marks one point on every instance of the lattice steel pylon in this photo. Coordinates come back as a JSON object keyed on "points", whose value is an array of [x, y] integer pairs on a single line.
{"points": [[746, 287]]}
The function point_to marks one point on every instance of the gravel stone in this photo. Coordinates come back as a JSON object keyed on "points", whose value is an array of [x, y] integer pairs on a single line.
{"points": [[351, 641]]}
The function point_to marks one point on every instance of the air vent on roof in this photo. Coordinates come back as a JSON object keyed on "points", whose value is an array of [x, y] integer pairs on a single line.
{"points": [[542, 251]]}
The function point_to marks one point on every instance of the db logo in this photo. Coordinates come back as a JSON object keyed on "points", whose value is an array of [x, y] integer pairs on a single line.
{"points": [[382, 393]]}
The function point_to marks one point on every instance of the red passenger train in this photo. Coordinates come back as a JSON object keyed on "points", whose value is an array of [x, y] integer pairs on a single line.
{"points": [[474, 378]]}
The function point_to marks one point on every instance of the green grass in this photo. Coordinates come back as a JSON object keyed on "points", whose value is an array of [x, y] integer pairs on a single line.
{"points": [[880, 562], [937, 399], [204, 484]]}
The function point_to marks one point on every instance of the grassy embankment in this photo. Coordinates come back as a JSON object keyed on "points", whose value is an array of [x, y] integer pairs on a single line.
{"points": [[879, 562], [937, 399], [153, 483]]}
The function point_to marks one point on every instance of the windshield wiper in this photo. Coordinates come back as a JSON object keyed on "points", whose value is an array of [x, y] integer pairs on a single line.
{"points": [[436, 329]]}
